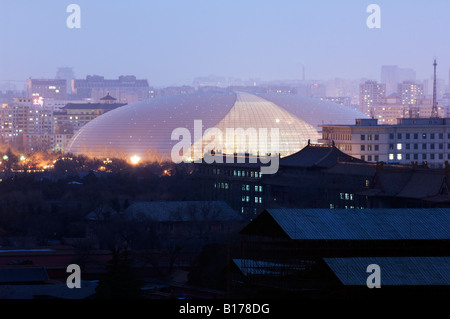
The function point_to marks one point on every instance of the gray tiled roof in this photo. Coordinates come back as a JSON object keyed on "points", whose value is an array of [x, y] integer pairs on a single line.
{"points": [[317, 155]]}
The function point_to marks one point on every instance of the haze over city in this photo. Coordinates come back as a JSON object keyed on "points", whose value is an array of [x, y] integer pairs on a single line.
{"points": [[173, 42], [266, 151]]}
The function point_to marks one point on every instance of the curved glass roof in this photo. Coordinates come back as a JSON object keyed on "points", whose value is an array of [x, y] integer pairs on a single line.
{"points": [[145, 128]]}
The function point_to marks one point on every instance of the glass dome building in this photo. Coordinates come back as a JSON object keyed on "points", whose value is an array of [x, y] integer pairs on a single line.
{"points": [[150, 129]]}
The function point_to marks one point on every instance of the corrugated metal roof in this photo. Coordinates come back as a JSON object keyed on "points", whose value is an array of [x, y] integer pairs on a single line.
{"points": [[394, 271], [262, 267], [364, 224]]}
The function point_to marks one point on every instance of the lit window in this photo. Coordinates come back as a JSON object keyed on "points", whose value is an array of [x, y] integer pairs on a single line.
{"points": [[399, 146], [399, 157], [391, 157]]}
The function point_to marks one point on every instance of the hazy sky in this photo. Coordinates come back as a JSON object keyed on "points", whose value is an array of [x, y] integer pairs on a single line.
{"points": [[172, 42]]}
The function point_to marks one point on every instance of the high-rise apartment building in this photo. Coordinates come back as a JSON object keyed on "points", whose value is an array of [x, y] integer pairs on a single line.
{"points": [[23, 120], [410, 93], [370, 93]]}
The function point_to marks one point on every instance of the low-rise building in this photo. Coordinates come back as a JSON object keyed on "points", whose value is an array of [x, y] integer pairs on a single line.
{"points": [[422, 140]]}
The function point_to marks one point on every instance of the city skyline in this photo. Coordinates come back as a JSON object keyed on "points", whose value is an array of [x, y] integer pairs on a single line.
{"points": [[172, 43]]}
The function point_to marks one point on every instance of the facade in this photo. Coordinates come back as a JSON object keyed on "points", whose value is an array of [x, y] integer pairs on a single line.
{"points": [[23, 120], [370, 93], [145, 128], [393, 109], [422, 140], [238, 184], [66, 73], [324, 253], [73, 116], [28, 124], [47, 88], [126, 89], [410, 93], [318, 176]]}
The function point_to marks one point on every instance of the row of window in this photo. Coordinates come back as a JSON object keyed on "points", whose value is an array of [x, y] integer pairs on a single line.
{"points": [[258, 188], [416, 156], [258, 199], [415, 146], [221, 185], [237, 173], [369, 147], [375, 137], [415, 136], [339, 136], [346, 196], [371, 158]]}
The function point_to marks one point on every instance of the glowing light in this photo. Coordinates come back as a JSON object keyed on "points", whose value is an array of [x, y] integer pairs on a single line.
{"points": [[135, 159], [277, 120], [22, 158], [5, 157]]}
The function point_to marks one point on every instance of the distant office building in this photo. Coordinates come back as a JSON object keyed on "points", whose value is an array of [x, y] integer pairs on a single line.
{"points": [[67, 74], [47, 88], [175, 90], [370, 93], [422, 140], [391, 75], [126, 89]]}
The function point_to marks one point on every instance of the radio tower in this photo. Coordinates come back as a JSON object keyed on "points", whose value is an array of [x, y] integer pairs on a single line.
{"points": [[434, 110]]}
